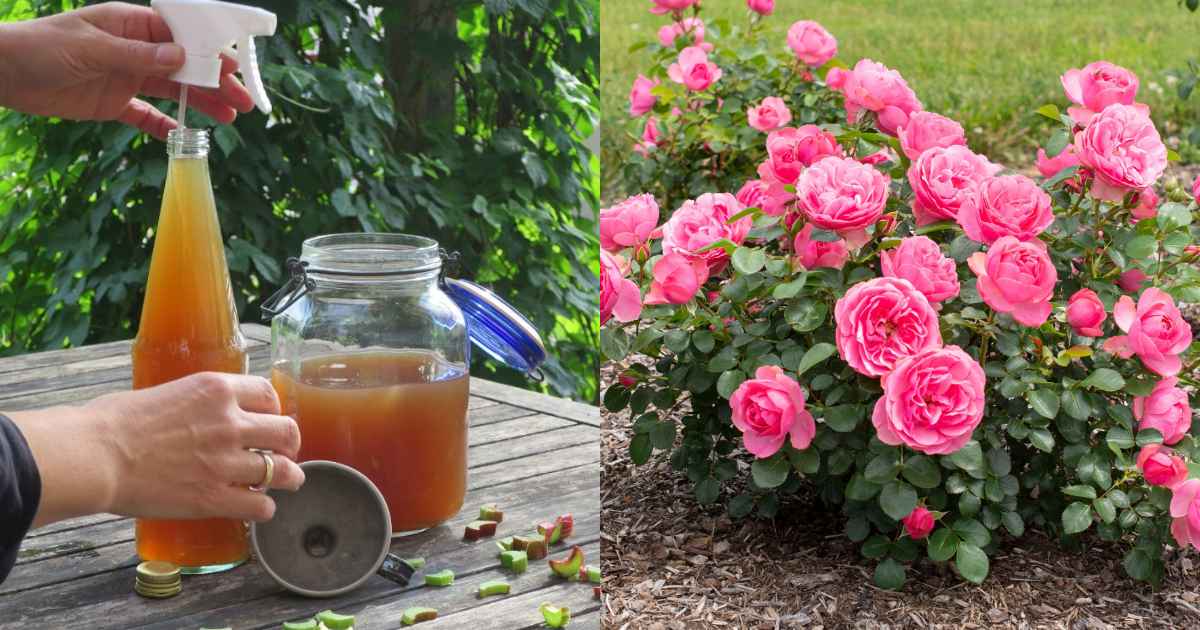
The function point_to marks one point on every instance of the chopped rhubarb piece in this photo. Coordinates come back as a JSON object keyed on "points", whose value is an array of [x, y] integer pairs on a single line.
{"points": [[552, 532], [415, 563], [590, 573], [307, 624], [417, 614], [493, 587], [533, 546], [516, 560], [479, 529], [568, 567], [444, 577], [555, 616], [490, 512], [334, 621], [568, 525], [505, 544]]}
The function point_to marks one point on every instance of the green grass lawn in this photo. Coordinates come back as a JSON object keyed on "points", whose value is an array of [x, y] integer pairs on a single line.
{"points": [[986, 64]]}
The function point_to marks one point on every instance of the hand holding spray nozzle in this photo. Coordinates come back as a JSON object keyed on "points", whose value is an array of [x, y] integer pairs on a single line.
{"points": [[205, 28]]}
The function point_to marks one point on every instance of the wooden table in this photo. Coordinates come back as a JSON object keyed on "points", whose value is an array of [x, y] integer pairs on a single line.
{"points": [[534, 455]]}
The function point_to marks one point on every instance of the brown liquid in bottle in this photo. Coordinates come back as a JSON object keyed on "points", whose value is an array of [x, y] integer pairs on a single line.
{"points": [[189, 325], [399, 417]]}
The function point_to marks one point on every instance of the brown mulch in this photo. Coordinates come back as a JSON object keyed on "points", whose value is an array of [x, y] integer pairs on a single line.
{"points": [[670, 564]]}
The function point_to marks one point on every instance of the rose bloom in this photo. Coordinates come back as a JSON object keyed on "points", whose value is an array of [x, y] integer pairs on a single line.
{"points": [[811, 42], [813, 254], [1160, 466], [926, 130], [1131, 281], [919, 260], [842, 194], [1050, 166], [1016, 277], [1165, 409], [872, 86], [1008, 205], [693, 26], [671, 6], [1098, 85], [1122, 147], [919, 523], [694, 70], [932, 401], [1196, 189], [1185, 513], [791, 149], [640, 98], [1085, 313], [1154, 331], [1147, 205], [700, 222], [629, 223], [676, 278], [769, 409], [882, 320], [772, 113], [879, 157], [650, 137], [619, 296], [761, 7], [943, 179]]}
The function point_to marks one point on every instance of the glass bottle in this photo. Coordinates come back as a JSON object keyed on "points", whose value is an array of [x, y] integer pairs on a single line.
{"points": [[189, 324]]}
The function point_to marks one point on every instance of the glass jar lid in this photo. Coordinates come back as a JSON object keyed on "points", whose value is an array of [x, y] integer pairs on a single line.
{"points": [[497, 328]]}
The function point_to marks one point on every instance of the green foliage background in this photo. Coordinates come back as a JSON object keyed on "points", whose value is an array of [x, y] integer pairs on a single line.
{"points": [[509, 181]]}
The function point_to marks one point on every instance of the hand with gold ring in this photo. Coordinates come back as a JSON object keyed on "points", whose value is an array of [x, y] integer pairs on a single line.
{"points": [[186, 449]]}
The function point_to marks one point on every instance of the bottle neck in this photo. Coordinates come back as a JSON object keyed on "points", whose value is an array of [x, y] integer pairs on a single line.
{"points": [[187, 143]]}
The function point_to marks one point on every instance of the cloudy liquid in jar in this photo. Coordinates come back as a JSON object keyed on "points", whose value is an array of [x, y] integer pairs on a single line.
{"points": [[399, 417], [189, 325]]}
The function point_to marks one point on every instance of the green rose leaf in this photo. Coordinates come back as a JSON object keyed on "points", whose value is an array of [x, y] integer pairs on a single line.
{"points": [[640, 448], [922, 472], [972, 531], [1042, 440], [999, 462], [807, 461], [1138, 564], [1081, 491], [889, 575], [1141, 246], [843, 418], [789, 290], [729, 382], [1013, 523], [741, 505], [1105, 380], [972, 562], [968, 458], [703, 340], [898, 499], [1149, 436], [707, 491], [1118, 439], [748, 260], [942, 544], [614, 343], [1076, 518], [882, 469], [1075, 404], [676, 340], [1105, 509], [662, 436], [876, 547], [859, 489], [815, 355], [1044, 402], [771, 472]]}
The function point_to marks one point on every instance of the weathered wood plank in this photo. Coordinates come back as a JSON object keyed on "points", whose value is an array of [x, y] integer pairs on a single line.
{"points": [[569, 409], [515, 612], [87, 560], [72, 523], [544, 443], [247, 596], [514, 428], [586, 455], [34, 360], [495, 413]]}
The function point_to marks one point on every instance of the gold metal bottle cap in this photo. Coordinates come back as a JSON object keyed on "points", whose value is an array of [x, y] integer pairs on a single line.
{"points": [[157, 579]]}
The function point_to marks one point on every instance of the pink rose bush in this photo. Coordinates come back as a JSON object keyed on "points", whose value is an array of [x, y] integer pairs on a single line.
{"points": [[671, 6], [769, 409], [769, 115], [641, 100], [884, 317], [691, 27], [761, 7], [694, 70]]}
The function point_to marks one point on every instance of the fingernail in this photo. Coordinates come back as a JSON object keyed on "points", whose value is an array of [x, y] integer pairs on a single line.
{"points": [[169, 55]]}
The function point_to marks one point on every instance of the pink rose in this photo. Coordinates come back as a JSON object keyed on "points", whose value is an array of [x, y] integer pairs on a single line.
{"points": [[693, 26], [813, 254], [671, 6], [1165, 409], [919, 523], [872, 86], [761, 7], [920, 261], [879, 157], [1051, 166], [811, 42], [751, 193], [677, 277], [943, 179], [1098, 85], [1185, 513], [932, 401], [619, 296], [694, 70], [701, 222], [882, 320], [1160, 466], [1131, 281], [1085, 313], [842, 194], [791, 149], [925, 130], [650, 137], [1154, 331], [1147, 205], [772, 113], [769, 409], [1122, 147], [1008, 205], [640, 98], [1016, 277], [1196, 189], [629, 223]]}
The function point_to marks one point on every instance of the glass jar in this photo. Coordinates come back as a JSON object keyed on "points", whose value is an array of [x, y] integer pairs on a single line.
{"points": [[371, 358]]}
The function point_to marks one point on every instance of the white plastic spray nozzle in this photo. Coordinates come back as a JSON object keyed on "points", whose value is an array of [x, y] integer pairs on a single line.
{"points": [[205, 28]]}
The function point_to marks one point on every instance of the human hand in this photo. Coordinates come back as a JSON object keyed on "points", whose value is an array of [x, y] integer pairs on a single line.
{"points": [[92, 63], [178, 450]]}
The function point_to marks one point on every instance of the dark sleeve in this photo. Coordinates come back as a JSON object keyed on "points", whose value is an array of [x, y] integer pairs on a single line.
{"points": [[20, 491]]}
